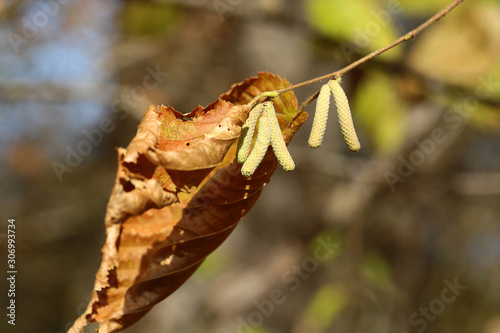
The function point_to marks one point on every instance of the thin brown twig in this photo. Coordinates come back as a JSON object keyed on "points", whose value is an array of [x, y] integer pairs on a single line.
{"points": [[400, 40], [306, 103]]}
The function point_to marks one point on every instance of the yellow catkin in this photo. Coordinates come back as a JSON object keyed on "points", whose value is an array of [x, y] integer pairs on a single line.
{"points": [[344, 115], [259, 149], [320, 117], [247, 131], [278, 143]]}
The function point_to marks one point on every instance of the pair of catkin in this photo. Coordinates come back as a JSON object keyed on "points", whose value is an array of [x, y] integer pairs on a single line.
{"points": [[343, 113], [269, 132]]}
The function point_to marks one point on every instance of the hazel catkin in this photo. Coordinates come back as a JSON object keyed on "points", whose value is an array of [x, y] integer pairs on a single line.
{"points": [[247, 130], [320, 117], [344, 116], [278, 143], [259, 149]]}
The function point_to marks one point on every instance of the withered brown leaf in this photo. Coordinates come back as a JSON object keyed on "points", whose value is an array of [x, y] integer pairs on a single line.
{"points": [[178, 194]]}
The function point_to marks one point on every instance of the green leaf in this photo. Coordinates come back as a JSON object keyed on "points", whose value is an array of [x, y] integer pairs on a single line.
{"points": [[251, 329], [376, 271], [363, 25], [379, 108], [486, 118], [327, 303], [146, 18], [422, 7], [330, 237]]}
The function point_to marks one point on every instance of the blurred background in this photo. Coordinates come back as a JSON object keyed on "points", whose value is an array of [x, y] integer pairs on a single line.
{"points": [[403, 236]]}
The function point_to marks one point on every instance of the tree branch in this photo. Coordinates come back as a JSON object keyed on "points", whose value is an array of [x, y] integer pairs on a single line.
{"points": [[400, 40]]}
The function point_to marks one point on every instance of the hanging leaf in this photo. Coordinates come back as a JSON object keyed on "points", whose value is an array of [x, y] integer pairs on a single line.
{"points": [[178, 194]]}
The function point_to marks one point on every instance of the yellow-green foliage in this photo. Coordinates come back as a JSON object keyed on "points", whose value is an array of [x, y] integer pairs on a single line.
{"points": [[381, 111], [325, 306], [361, 26]]}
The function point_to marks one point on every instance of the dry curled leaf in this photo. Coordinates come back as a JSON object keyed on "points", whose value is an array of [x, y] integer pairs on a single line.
{"points": [[178, 194]]}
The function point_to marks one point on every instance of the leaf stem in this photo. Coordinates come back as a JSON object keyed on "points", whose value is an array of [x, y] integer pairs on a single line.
{"points": [[400, 40]]}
